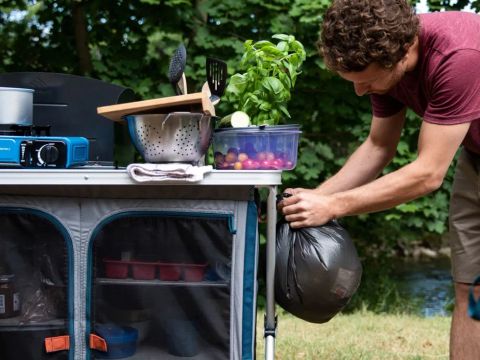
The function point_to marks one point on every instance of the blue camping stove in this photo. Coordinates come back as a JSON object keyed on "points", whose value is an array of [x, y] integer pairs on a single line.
{"points": [[35, 151]]}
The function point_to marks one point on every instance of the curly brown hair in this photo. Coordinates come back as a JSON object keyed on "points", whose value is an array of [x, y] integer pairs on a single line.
{"points": [[357, 33]]}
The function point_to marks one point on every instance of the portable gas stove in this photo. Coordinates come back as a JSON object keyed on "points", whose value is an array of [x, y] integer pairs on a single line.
{"points": [[33, 147]]}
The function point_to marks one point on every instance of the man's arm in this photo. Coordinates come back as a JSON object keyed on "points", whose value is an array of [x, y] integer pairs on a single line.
{"points": [[436, 148], [368, 161]]}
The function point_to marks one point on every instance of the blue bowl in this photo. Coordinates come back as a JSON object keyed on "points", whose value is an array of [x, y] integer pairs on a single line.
{"points": [[121, 341]]}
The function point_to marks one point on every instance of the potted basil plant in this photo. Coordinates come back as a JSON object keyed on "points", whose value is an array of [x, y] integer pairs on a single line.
{"points": [[250, 138], [271, 71]]}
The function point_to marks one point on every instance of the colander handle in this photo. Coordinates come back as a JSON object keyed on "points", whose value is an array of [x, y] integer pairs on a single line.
{"points": [[180, 113], [170, 114]]}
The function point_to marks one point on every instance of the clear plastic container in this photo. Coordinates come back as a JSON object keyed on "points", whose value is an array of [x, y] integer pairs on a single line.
{"points": [[256, 147]]}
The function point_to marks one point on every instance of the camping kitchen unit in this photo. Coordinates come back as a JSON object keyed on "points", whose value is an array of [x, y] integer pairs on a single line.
{"points": [[94, 265]]}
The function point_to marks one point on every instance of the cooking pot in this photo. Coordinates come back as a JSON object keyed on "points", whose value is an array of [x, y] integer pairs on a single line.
{"points": [[16, 106]]}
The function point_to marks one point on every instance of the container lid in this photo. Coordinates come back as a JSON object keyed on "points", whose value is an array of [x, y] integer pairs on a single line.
{"points": [[16, 89], [289, 128], [114, 334], [6, 278]]}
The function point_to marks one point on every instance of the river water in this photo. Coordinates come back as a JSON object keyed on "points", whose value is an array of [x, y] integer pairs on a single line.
{"points": [[428, 281]]}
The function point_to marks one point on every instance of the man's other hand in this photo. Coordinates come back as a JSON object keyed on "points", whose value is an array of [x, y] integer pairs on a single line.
{"points": [[306, 207]]}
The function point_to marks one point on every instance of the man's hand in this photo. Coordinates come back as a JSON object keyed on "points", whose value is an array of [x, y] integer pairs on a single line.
{"points": [[306, 207]]}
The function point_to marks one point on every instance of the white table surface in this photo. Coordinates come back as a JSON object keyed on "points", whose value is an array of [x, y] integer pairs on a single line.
{"points": [[109, 176]]}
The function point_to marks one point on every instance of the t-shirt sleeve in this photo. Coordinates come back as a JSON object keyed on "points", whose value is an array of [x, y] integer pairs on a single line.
{"points": [[385, 105], [455, 89]]}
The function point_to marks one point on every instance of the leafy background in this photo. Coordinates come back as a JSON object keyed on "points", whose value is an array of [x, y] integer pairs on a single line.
{"points": [[130, 43]]}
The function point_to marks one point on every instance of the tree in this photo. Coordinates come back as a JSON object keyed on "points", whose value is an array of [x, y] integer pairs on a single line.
{"points": [[130, 43]]}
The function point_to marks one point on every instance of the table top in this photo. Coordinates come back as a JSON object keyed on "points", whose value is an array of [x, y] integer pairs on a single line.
{"points": [[101, 175]]}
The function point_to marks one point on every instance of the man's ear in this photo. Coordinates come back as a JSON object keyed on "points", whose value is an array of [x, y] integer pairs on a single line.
{"points": [[410, 45]]}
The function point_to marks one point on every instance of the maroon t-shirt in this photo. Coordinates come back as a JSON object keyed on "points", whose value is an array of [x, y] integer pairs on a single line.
{"points": [[444, 88]]}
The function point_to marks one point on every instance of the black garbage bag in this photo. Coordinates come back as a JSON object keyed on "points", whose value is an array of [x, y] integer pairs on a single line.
{"points": [[317, 270]]}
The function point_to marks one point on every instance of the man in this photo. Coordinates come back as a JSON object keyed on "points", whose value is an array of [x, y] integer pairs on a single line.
{"points": [[431, 64]]}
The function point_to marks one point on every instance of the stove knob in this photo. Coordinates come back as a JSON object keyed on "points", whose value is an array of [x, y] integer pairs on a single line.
{"points": [[48, 154]]}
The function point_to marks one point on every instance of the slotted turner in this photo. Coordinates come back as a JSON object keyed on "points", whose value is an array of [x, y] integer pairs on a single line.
{"points": [[216, 78]]}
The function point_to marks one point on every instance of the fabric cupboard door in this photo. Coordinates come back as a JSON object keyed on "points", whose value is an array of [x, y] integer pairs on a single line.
{"points": [[161, 284], [35, 263]]}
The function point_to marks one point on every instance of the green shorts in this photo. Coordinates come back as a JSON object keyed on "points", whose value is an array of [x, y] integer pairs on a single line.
{"points": [[464, 219]]}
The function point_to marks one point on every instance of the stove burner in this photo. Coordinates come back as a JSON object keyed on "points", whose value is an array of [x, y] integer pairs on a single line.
{"points": [[25, 130]]}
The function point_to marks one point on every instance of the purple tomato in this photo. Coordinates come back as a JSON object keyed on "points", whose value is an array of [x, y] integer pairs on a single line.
{"points": [[270, 156], [277, 163], [265, 164], [256, 165], [261, 156], [231, 157], [247, 164], [219, 158], [288, 165], [222, 166]]}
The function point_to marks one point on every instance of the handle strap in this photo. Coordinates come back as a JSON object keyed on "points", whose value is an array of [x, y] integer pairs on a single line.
{"points": [[57, 343], [98, 343]]}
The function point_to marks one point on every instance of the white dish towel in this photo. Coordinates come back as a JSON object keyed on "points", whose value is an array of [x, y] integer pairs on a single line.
{"points": [[167, 172]]}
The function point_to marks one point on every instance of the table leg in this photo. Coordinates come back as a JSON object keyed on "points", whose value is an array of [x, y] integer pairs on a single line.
{"points": [[270, 319]]}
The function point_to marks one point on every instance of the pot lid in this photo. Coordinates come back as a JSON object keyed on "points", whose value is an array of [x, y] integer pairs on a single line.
{"points": [[16, 89]]}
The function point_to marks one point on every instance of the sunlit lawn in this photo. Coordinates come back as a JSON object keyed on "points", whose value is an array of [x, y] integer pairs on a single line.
{"points": [[362, 335]]}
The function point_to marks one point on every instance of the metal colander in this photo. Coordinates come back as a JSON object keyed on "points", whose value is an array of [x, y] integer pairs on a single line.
{"points": [[174, 137]]}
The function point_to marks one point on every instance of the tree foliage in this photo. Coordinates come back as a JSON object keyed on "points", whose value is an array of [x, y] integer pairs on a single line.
{"points": [[130, 43]]}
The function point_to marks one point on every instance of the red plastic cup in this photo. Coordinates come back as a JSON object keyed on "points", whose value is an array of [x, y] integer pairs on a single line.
{"points": [[116, 269], [169, 272], [193, 272], [143, 270]]}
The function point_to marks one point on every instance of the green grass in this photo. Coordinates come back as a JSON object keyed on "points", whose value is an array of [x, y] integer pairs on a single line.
{"points": [[361, 335]]}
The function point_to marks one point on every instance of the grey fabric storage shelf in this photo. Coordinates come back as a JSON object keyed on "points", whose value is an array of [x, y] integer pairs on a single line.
{"points": [[93, 194], [133, 282]]}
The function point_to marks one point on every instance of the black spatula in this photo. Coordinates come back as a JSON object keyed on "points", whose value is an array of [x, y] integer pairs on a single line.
{"points": [[216, 78]]}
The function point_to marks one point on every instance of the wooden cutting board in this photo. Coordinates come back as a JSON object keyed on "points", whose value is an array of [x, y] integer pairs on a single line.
{"points": [[196, 102]]}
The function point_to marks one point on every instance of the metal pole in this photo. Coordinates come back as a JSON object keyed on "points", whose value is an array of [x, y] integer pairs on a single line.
{"points": [[270, 322], [270, 347]]}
